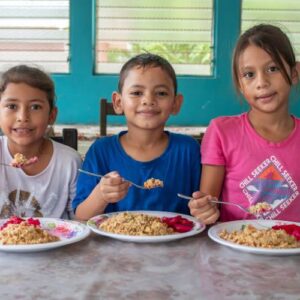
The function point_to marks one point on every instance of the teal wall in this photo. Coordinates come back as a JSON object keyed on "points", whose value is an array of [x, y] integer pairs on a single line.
{"points": [[78, 93]]}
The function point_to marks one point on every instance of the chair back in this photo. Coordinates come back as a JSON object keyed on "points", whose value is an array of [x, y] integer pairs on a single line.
{"points": [[69, 137], [106, 109]]}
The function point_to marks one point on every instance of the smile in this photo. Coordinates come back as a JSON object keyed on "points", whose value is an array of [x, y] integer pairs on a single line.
{"points": [[266, 97], [148, 113], [22, 130]]}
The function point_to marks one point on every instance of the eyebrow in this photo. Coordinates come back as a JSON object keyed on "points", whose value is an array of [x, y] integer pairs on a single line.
{"points": [[11, 99], [157, 86], [271, 61]]}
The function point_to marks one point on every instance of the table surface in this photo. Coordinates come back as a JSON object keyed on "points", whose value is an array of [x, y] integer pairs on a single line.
{"points": [[191, 268]]}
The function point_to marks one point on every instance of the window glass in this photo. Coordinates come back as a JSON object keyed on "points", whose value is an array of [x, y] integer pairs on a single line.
{"points": [[282, 13], [35, 32], [179, 30]]}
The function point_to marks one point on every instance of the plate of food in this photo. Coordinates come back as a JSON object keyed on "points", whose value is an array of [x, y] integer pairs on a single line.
{"points": [[145, 226], [268, 237], [39, 234]]}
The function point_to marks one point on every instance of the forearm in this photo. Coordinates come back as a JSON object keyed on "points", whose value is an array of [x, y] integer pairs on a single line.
{"points": [[93, 205]]}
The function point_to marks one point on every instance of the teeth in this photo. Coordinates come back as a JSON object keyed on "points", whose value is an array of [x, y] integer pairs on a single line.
{"points": [[22, 130]]}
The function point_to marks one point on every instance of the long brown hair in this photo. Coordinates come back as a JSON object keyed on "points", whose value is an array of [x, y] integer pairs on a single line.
{"points": [[271, 39], [32, 76]]}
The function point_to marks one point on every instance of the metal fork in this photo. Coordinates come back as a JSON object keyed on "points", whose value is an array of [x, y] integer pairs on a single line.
{"points": [[6, 165], [100, 176], [246, 210]]}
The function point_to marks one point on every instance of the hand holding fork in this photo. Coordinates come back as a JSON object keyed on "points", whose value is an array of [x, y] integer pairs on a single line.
{"points": [[214, 200]]}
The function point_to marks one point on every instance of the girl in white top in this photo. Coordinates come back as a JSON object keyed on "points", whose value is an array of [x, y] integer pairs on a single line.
{"points": [[46, 187]]}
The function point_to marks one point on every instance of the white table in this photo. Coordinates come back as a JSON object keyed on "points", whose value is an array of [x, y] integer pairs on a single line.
{"points": [[192, 268]]}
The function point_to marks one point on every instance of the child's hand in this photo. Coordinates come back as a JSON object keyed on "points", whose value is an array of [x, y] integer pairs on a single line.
{"points": [[112, 188], [202, 209]]}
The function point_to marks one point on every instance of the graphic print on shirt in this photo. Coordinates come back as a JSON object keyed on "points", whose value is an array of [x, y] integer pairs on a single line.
{"points": [[271, 184], [22, 204]]}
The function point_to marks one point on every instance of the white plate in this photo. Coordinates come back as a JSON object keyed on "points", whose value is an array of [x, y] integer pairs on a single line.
{"points": [[93, 223], [69, 232], [214, 231]]}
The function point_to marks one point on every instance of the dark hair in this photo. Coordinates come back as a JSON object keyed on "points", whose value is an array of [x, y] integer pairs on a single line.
{"points": [[271, 39], [32, 76], [147, 60]]}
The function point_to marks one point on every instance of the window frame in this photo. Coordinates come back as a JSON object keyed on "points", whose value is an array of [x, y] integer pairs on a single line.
{"points": [[206, 97]]}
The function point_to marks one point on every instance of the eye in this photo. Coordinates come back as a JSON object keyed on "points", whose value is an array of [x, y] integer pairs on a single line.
{"points": [[248, 75], [35, 107], [11, 106], [136, 93], [272, 69], [162, 93]]}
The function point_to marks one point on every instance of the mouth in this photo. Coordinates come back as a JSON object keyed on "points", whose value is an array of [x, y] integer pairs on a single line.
{"points": [[147, 112], [22, 130], [266, 97]]}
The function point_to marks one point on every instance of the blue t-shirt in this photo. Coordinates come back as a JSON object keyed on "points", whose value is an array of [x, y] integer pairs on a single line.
{"points": [[178, 167]]}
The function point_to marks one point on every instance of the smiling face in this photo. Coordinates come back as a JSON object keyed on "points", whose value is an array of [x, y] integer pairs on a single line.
{"points": [[147, 98], [262, 82], [24, 114]]}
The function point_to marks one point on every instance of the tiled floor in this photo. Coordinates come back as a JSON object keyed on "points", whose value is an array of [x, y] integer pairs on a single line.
{"points": [[88, 133]]}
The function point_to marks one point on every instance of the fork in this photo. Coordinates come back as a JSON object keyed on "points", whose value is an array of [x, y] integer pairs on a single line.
{"points": [[246, 210], [100, 176], [6, 165]]}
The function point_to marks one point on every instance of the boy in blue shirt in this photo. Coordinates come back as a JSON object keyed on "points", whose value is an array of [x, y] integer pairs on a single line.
{"points": [[147, 95]]}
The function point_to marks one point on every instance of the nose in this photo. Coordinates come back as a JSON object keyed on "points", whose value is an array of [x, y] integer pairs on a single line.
{"points": [[22, 115], [262, 80], [148, 99]]}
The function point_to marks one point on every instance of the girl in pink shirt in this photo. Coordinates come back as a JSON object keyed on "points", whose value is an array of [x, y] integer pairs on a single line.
{"points": [[252, 159]]}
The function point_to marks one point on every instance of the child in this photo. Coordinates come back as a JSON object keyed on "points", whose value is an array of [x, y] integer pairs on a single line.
{"points": [[45, 187], [147, 95], [251, 159]]}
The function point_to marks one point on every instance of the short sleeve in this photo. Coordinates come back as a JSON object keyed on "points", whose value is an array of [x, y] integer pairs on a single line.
{"points": [[211, 146]]}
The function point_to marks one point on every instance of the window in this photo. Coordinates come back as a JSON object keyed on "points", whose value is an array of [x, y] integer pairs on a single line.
{"points": [[282, 13], [179, 30], [35, 32]]}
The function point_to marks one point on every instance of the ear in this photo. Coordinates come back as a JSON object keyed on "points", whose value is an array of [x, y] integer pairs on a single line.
{"points": [[177, 104], [117, 103], [296, 73], [52, 116]]}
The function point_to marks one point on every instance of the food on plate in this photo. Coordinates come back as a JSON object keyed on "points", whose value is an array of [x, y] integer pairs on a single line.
{"points": [[178, 223], [135, 224], [153, 183], [261, 238], [21, 160], [131, 223], [18, 231], [260, 207], [291, 229]]}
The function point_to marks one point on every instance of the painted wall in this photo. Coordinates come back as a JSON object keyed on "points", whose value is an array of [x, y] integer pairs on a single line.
{"points": [[205, 97]]}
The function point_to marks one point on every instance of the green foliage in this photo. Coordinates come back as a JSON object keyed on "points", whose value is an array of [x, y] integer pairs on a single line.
{"points": [[174, 53]]}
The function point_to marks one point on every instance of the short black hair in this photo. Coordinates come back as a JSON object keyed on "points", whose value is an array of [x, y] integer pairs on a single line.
{"points": [[147, 60]]}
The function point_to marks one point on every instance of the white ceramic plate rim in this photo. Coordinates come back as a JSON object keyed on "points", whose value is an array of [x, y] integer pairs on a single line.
{"points": [[213, 233], [83, 233], [198, 227]]}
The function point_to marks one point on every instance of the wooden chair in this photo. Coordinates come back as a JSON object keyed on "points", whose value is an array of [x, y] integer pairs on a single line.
{"points": [[69, 137], [106, 109], [199, 137]]}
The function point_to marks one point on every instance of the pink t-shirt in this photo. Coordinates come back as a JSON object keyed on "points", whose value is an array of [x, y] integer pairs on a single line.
{"points": [[256, 170]]}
